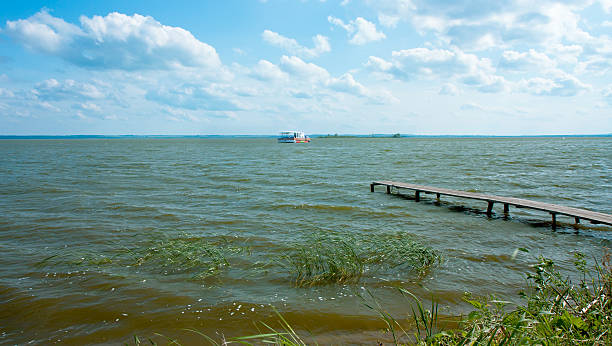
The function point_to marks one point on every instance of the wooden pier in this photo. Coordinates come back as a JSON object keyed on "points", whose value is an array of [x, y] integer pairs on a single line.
{"points": [[553, 209]]}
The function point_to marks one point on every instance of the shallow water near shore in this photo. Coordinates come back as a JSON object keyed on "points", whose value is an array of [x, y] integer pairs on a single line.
{"points": [[84, 225]]}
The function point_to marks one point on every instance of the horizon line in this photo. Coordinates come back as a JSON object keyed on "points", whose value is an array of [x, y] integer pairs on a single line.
{"points": [[369, 135]]}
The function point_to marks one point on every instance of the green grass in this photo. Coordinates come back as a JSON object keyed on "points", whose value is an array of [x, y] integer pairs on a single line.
{"points": [[325, 262], [553, 311], [326, 259]]}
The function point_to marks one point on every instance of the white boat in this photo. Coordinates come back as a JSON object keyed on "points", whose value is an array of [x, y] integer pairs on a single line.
{"points": [[293, 137]]}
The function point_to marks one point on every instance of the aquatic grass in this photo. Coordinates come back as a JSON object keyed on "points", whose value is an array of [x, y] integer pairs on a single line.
{"points": [[328, 258], [202, 257], [399, 250], [325, 262]]}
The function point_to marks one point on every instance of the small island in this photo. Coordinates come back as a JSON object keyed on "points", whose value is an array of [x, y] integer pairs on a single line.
{"points": [[374, 135]]}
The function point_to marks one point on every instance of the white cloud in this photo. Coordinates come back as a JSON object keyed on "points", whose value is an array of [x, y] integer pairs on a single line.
{"points": [[596, 65], [321, 44], [51, 89], [530, 61], [194, 97], [507, 24], [88, 106], [60, 97], [6, 93], [607, 94], [267, 71], [387, 20], [448, 89], [606, 5], [562, 85], [48, 106], [360, 30], [313, 76], [545, 78], [471, 106], [469, 69], [303, 70], [347, 83], [564, 54], [115, 41]]}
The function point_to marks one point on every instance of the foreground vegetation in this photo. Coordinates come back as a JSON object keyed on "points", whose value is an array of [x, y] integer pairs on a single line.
{"points": [[554, 311]]}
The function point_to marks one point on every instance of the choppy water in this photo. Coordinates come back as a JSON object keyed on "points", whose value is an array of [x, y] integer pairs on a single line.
{"points": [[66, 200]]}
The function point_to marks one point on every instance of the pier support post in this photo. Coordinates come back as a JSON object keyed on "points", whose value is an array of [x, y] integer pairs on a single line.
{"points": [[506, 208], [438, 197], [417, 196], [554, 221], [388, 188], [576, 229], [371, 187], [490, 208]]}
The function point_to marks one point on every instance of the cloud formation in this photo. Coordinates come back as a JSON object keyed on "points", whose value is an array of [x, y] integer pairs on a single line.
{"points": [[536, 56], [267, 71], [194, 97], [607, 94], [316, 75], [415, 63], [321, 44], [448, 89], [481, 25], [359, 30], [115, 41], [52, 89]]}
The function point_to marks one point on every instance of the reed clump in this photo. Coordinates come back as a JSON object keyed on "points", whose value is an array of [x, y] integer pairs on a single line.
{"points": [[326, 258]]}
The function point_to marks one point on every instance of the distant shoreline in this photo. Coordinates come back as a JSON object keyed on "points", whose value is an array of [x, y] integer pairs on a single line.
{"points": [[322, 136]]}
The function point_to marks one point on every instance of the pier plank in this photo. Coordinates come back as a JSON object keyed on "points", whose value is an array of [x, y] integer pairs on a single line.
{"points": [[577, 213]]}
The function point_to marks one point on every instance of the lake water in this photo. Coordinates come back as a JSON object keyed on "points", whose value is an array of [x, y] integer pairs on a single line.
{"points": [[83, 225]]}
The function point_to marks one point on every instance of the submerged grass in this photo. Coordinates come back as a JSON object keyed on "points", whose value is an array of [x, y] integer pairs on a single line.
{"points": [[326, 258], [183, 254], [199, 256]]}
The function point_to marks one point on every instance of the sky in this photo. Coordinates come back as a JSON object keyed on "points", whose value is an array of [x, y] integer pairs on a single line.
{"points": [[437, 67]]}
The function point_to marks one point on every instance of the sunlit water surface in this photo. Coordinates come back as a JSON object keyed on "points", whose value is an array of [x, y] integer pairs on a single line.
{"points": [[66, 200]]}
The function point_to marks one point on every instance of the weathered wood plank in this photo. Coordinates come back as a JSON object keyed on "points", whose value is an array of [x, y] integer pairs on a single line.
{"points": [[594, 217]]}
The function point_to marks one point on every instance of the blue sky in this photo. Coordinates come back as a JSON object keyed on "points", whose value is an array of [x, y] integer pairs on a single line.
{"points": [[346, 66]]}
